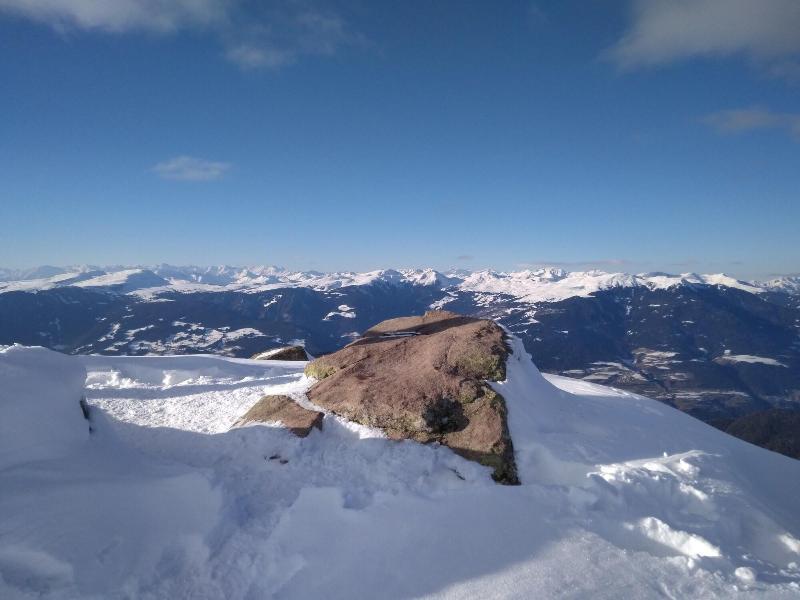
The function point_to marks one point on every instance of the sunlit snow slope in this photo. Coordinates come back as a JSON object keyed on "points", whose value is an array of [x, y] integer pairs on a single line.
{"points": [[622, 497]]}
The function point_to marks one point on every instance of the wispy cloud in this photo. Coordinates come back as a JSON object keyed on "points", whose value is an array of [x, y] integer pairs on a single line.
{"points": [[693, 262], [252, 33], [571, 264], [276, 36], [742, 120], [664, 31], [536, 15], [249, 56], [188, 168], [465, 257], [119, 16]]}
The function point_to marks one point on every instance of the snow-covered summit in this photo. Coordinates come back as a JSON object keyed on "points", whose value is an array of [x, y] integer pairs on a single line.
{"points": [[666, 281], [621, 496], [544, 284], [789, 284]]}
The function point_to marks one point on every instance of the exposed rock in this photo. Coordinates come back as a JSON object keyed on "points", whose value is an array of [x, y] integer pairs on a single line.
{"points": [[423, 378], [285, 353], [273, 409], [775, 429]]}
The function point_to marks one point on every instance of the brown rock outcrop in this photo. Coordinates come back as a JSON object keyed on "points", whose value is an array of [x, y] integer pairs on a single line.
{"points": [[424, 378], [272, 409], [286, 353]]}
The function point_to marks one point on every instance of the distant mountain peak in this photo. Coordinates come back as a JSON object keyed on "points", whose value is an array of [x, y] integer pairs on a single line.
{"points": [[545, 284]]}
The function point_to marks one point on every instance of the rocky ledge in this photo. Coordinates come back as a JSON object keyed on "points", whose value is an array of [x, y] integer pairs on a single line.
{"points": [[425, 378], [282, 409], [285, 353]]}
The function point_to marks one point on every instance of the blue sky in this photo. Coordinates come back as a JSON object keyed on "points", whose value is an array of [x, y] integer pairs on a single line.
{"points": [[630, 135]]}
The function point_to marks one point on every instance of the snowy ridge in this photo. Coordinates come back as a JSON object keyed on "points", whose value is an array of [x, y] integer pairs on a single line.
{"points": [[545, 284], [621, 497], [557, 284], [151, 280], [541, 285], [749, 358], [787, 285]]}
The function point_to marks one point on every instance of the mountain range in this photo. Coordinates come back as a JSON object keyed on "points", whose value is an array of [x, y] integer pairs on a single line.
{"points": [[546, 284], [714, 346]]}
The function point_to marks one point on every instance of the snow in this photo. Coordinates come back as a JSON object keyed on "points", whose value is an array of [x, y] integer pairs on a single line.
{"points": [[666, 281], [196, 336], [123, 279], [41, 416], [749, 358], [112, 333], [552, 285], [44, 283], [544, 285], [430, 277], [659, 359], [190, 393], [746, 574], [531, 286], [652, 478], [786, 284], [261, 279], [621, 496], [344, 311], [129, 279]]}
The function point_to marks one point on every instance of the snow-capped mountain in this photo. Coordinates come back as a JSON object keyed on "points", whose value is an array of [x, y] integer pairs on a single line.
{"points": [[541, 285], [154, 280], [153, 495], [786, 284]]}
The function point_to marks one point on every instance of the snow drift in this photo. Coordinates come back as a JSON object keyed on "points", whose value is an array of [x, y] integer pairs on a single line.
{"points": [[40, 414], [621, 496]]}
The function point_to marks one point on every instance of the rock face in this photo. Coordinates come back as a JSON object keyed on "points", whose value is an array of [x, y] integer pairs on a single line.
{"points": [[272, 409], [287, 353], [423, 378]]}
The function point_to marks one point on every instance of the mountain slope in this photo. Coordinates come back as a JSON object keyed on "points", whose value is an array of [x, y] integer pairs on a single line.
{"points": [[677, 345], [621, 496]]}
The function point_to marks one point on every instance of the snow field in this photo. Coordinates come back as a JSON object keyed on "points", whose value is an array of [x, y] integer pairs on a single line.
{"points": [[621, 496]]}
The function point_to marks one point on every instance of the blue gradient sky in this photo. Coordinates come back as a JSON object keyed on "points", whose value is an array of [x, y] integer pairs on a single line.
{"points": [[357, 135]]}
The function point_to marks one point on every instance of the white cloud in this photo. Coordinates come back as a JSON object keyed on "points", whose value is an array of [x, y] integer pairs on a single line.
{"points": [[120, 15], [188, 168], [253, 33], [279, 37], [750, 119], [664, 31]]}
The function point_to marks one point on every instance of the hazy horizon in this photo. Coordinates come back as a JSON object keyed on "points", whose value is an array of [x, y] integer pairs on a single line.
{"points": [[610, 267]]}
